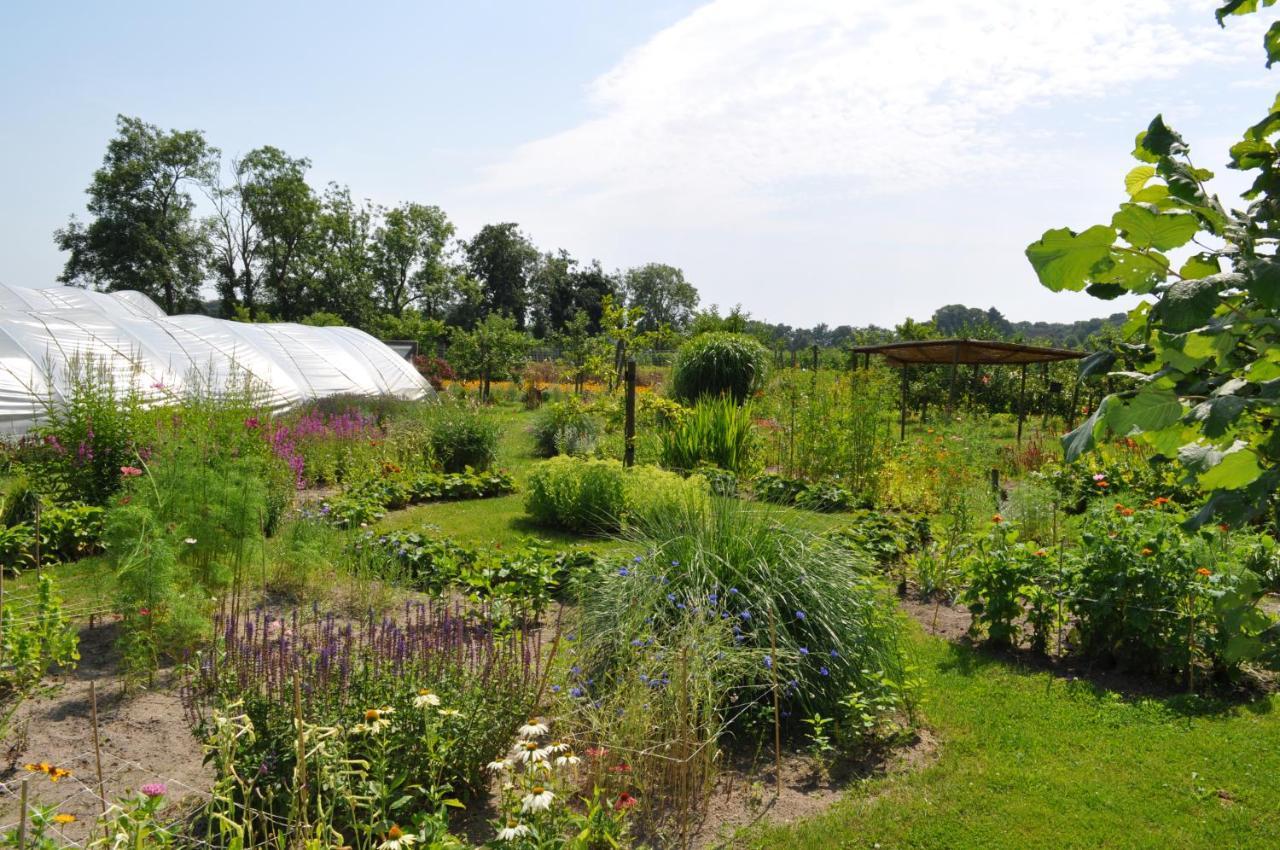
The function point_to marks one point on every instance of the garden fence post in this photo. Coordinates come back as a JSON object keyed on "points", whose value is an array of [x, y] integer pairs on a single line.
{"points": [[629, 426], [902, 414], [1022, 403]]}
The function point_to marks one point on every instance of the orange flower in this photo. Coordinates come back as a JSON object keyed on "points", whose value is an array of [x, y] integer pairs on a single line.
{"points": [[1119, 507], [997, 519], [1101, 483], [1146, 552], [1127, 512], [1161, 500], [1203, 571], [1040, 553], [1223, 527]]}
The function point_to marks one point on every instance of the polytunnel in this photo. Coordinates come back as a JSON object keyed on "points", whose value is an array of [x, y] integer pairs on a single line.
{"points": [[47, 334]]}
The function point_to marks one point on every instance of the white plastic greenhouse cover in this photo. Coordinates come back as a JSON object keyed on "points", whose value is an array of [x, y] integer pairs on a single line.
{"points": [[45, 332]]}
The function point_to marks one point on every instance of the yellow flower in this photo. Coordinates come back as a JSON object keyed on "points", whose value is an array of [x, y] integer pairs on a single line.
{"points": [[64, 817]]}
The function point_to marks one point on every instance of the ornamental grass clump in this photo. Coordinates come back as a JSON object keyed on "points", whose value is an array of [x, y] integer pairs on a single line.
{"points": [[805, 610], [719, 364]]}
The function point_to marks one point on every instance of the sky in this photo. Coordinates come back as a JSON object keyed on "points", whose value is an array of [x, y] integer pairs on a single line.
{"points": [[835, 161]]}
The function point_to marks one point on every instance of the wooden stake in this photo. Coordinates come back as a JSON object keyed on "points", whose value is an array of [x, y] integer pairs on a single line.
{"points": [[22, 816], [629, 426], [97, 758], [1022, 403]]}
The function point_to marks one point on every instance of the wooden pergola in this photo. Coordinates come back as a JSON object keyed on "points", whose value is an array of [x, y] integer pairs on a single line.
{"points": [[966, 352]]}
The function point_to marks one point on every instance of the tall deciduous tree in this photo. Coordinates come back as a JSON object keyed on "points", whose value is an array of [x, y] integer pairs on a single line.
{"points": [[494, 350], [339, 257], [502, 259], [277, 197], [663, 294], [142, 234], [410, 255]]}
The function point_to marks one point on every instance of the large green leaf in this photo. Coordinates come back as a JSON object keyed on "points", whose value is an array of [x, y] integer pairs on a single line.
{"points": [[1137, 178], [1199, 265], [1188, 304], [1161, 141], [1150, 410], [1237, 469], [1083, 438], [1263, 282], [1146, 229], [1065, 260], [1217, 414]]}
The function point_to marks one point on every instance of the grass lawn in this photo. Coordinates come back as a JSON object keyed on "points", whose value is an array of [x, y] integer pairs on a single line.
{"points": [[1028, 760]]}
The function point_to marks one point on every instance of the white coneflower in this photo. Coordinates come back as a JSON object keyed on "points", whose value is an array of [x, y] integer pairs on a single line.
{"points": [[426, 699], [512, 831], [499, 766], [529, 751], [190, 541], [535, 728], [375, 721], [448, 712], [557, 747], [568, 759], [537, 800], [397, 839]]}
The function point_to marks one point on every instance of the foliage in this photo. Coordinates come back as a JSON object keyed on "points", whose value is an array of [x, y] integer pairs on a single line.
{"points": [[601, 496], [826, 496], [528, 575], [883, 536], [1006, 583], [502, 259], [565, 427], [400, 717], [660, 295], [719, 364], [716, 432], [492, 351], [799, 606], [37, 637], [462, 436], [409, 255], [435, 369], [1202, 356], [368, 500]]}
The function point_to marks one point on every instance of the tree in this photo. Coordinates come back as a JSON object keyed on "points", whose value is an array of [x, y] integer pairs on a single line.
{"points": [[337, 257], [142, 234], [234, 240], [284, 208], [1201, 361], [582, 353], [494, 350], [562, 288], [502, 259], [409, 252], [662, 293]]}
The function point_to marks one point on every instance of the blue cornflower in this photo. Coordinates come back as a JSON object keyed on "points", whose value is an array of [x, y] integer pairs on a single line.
{"points": [[638, 559], [637, 642], [768, 662], [834, 654], [675, 563], [799, 615], [555, 689], [671, 597], [680, 606], [644, 678], [804, 650], [733, 590], [575, 670], [823, 671], [712, 598], [576, 691], [746, 615], [624, 572]]}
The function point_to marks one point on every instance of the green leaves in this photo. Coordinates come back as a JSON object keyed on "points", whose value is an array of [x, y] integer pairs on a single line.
{"points": [[1160, 141], [1188, 304], [1239, 7], [1238, 467], [1152, 409], [1146, 229], [1065, 260], [1084, 437]]}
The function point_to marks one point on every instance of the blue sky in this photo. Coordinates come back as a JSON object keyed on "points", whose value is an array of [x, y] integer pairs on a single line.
{"points": [[839, 161]]}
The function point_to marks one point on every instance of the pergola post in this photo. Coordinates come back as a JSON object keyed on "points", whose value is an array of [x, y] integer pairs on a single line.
{"points": [[902, 415], [1075, 403], [1022, 403], [955, 369]]}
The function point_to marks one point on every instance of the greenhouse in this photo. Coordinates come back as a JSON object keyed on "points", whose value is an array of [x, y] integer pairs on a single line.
{"points": [[46, 334]]}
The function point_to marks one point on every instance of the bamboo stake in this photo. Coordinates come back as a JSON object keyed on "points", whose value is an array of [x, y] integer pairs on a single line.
{"points": [[302, 748], [777, 715], [97, 757]]}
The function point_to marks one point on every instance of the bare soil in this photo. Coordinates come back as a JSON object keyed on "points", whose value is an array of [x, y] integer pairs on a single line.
{"points": [[144, 735]]}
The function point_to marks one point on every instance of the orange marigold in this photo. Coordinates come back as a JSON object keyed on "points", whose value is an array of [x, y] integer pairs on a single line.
{"points": [[1204, 571], [997, 519], [1146, 552]]}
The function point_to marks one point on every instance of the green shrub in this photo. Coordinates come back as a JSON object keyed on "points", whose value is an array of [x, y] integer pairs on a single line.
{"points": [[719, 364], [463, 436], [650, 491], [777, 489], [587, 496], [825, 497], [717, 433], [1009, 583], [565, 428]]}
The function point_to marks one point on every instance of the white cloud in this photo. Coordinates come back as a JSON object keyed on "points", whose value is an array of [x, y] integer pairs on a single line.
{"points": [[748, 114]]}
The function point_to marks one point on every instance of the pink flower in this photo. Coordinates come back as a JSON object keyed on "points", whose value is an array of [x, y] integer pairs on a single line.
{"points": [[154, 789], [130, 471], [1098, 476]]}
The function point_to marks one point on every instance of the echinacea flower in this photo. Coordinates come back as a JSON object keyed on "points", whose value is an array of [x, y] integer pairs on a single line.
{"points": [[537, 800], [557, 747], [533, 729], [397, 838], [625, 801], [448, 712], [154, 789], [567, 760], [130, 471], [528, 752], [499, 766], [512, 831], [425, 699]]}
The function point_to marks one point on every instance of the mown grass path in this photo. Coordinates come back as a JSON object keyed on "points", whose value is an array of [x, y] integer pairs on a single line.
{"points": [[1029, 760]]}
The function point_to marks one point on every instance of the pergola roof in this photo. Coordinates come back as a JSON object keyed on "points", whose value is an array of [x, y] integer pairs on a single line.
{"points": [[966, 352]]}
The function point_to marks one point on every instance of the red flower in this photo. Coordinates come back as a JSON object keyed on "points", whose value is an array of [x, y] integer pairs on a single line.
{"points": [[144, 611], [596, 752], [997, 519], [625, 801], [124, 500], [621, 767], [130, 471], [1223, 527]]}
